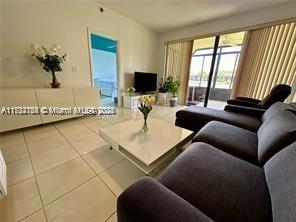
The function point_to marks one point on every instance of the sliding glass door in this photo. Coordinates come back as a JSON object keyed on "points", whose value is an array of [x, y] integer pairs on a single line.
{"points": [[213, 68], [202, 56]]}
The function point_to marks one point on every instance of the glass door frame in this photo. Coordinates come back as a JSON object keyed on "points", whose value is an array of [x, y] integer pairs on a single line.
{"points": [[91, 66], [211, 73], [217, 54]]}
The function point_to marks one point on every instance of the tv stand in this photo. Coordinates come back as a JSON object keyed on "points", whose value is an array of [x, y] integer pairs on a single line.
{"points": [[131, 102]]}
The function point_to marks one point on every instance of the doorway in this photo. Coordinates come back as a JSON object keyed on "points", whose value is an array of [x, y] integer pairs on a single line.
{"points": [[212, 71], [103, 53]]}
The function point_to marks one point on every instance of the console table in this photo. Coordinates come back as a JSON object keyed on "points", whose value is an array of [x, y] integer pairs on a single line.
{"points": [[43, 97], [131, 101]]}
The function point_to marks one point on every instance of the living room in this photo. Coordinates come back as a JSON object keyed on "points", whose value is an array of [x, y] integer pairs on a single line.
{"points": [[147, 110]]}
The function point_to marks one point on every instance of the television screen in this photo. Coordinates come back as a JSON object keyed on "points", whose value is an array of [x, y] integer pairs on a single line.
{"points": [[145, 82]]}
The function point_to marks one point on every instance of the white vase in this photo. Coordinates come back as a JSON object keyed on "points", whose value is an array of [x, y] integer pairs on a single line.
{"points": [[161, 98]]}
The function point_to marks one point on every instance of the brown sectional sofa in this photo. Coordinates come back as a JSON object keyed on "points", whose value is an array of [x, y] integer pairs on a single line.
{"points": [[227, 174]]}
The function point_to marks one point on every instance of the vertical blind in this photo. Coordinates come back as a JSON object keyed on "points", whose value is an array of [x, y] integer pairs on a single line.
{"points": [[178, 57], [270, 59]]}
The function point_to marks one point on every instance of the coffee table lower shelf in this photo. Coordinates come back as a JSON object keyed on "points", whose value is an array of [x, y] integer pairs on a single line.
{"points": [[147, 169]]}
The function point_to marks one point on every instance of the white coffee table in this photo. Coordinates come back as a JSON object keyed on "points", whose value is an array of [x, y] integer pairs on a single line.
{"points": [[148, 150]]}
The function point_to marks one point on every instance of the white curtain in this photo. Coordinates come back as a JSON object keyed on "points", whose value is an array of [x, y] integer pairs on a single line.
{"points": [[178, 58]]}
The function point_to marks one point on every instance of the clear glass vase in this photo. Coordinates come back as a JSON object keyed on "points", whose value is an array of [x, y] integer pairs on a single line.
{"points": [[145, 126]]}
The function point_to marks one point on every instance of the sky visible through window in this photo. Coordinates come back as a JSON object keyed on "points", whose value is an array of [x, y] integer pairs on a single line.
{"points": [[226, 61]]}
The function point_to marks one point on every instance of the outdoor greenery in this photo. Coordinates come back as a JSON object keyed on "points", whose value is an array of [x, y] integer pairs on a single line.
{"points": [[223, 78]]}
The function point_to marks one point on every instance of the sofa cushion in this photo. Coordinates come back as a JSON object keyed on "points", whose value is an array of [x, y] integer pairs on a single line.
{"points": [[275, 134], [196, 117], [273, 109], [222, 186], [280, 176], [149, 201], [231, 139]]}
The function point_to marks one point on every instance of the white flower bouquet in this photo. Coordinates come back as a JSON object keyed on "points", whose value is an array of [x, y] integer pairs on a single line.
{"points": [[50, 60]]}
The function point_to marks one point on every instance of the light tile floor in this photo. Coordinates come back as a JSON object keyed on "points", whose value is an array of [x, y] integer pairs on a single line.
{"points": [[65, 171]]}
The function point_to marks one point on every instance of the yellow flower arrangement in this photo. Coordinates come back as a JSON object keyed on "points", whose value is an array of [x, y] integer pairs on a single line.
{"points": [[145, 107]]}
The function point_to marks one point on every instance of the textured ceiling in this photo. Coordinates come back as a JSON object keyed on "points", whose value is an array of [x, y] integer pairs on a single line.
{"points": [[163, 15]]}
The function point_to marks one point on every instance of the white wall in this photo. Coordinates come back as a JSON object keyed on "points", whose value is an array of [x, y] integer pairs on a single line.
{"points": [[66, 22]]}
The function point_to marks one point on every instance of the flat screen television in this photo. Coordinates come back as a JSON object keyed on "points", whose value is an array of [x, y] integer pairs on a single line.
{"points": [[145, 82]]}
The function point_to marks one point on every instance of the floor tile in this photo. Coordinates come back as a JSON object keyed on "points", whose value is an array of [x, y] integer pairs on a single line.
{"points": [[96, 124], [88, 144], [40, 132], [47, 160], [12, 138], [102, 159], [22, 200], [46, 144], [13, 153], [116, 119], [36, 217], [90, 202], [67, 124], [113, 218], [61, 179], [120, 176], [76, 132], [18, 171]]}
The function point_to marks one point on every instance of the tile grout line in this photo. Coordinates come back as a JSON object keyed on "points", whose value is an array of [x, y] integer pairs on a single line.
{"points": [[22, 158], [57, 166], [67, 140], [82, 155], [111, 166], [69, 191], [110, 215], [96, 175], [26, 217], [20, 182], [79, 157], [92, 129], [107, 186], [35, 177]]}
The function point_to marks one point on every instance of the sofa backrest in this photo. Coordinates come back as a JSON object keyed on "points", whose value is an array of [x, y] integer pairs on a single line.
{"points": [[280, 174], [276, 133], [278, 93], [278, 106]]}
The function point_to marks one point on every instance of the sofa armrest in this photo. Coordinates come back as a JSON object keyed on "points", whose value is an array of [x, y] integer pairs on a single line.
{"points": [[250, 111], [242, 103], [248, 99], [148, 200]]}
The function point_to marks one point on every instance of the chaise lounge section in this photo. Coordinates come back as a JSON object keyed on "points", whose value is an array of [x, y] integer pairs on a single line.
{"points": [[194, 117]]}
